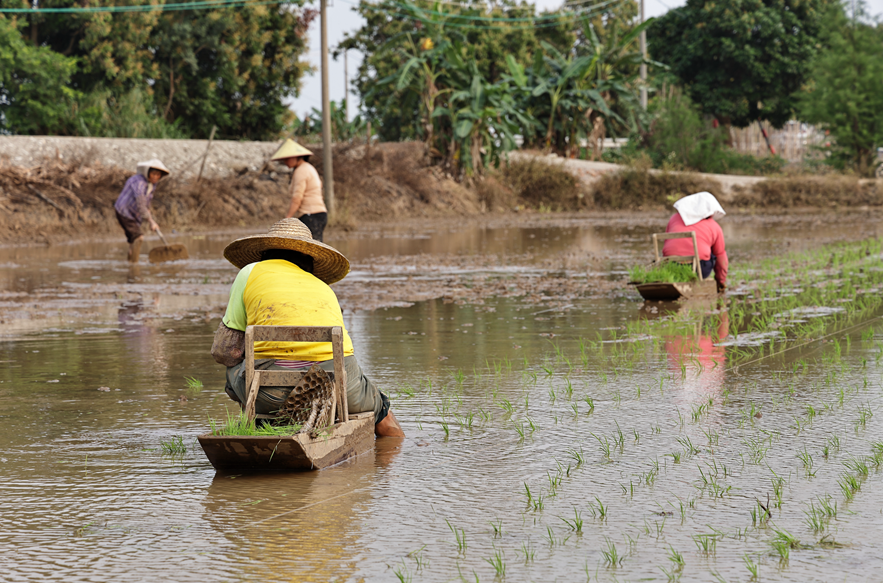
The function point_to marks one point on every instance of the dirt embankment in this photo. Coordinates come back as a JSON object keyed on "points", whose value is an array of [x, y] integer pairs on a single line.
{"points": [[59, 198]]}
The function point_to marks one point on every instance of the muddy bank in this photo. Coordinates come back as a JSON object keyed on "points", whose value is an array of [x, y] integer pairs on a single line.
{"points": [[58, 199], [64, 198]]}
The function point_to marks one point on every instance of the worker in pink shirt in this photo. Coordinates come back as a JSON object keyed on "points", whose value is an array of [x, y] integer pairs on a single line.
{"points": [[700, 212]]}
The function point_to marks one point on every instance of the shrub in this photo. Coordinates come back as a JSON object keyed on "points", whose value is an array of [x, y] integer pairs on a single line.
{"points": [[540, 184], [680, 139]]}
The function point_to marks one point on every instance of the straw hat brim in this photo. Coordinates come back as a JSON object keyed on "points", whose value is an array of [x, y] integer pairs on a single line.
{"points": [[290, 149], [154, 164], [329, 264]]}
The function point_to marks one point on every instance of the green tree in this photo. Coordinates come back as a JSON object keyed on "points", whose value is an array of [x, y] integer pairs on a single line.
{"points": [[230, 67], [466, 121], [740, 60], [34, 82], [845, 94], [392, 28], [188, 69]]}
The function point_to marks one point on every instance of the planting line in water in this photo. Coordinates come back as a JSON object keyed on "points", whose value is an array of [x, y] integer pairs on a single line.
{"points": [[847, 329]]}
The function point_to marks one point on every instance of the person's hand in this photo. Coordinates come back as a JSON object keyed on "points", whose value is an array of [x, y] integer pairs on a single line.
{"points": [[153, 226], [721, 288]]}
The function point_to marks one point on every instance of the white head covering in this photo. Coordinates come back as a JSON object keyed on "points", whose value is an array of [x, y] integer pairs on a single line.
{"points": [[143, 168], [695, 207]]}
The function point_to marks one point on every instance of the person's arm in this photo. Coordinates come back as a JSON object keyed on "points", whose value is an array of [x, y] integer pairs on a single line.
{"points": [[298, 188], [144, 206], [228, 347]]}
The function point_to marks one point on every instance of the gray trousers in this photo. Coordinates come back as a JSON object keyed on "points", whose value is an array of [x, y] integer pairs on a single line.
{"points": [[361, 393]]}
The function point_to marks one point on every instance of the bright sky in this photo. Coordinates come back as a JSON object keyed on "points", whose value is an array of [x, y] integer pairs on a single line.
{"points": [[343, 19]]}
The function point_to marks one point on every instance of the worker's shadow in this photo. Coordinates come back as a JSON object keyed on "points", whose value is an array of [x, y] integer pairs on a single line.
{"points": [[305, 525]]}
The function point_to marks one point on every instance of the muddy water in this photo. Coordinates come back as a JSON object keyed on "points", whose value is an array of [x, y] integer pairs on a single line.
{"points": [[495, 395]]}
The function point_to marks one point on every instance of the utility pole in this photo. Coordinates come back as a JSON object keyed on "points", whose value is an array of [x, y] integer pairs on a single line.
{"points": [[327, 168], [643, 65], [346, 85]]}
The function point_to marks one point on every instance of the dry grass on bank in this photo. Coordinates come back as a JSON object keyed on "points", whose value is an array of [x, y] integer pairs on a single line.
{"points": [[811, 191], [638, 189], [535, 184], [56, 199], [60, 198]]}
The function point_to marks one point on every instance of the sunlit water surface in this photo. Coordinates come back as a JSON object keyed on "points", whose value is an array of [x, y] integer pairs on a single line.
{"points": [[528, 455]]}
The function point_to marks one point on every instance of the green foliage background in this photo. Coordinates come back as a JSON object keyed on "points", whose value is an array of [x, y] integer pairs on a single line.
{"points": [[740, 60], [845, 92], [153, 73], [385, 38]]}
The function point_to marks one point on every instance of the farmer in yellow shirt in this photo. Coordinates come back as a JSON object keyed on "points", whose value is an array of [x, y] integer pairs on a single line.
{"points": [[284, 280]]}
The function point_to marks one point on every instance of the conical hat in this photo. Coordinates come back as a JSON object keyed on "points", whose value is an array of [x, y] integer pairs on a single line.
{"points": [[143, 168], [290, 149], [329, 264]]}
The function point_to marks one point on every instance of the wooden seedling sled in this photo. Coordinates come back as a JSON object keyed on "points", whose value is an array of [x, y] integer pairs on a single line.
{"points": [[669, 292], [351, 435]]}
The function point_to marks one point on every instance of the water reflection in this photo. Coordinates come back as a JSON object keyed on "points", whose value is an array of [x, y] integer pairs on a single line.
{"points": [[306, 526], [698, 359]]}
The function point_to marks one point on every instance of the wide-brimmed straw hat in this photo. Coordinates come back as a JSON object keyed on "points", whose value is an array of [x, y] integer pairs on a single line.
{"points": [[143, 168], [290, 149], [329, 264]]}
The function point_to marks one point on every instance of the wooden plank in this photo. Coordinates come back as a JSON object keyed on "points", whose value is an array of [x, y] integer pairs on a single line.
{"points": [[678, 258], [249, 355], [252, 395], [666, 236], [660, 292], [332, 445], [280, 378], [292, 334], [339, 372], [283, 378]]}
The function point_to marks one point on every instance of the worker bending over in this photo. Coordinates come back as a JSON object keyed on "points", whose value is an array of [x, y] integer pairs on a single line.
{"points": [[284, 280], [133, 204], [700, 212]]}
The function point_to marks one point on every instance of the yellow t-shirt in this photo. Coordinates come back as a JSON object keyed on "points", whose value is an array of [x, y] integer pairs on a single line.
{"points": [[278, 293]]}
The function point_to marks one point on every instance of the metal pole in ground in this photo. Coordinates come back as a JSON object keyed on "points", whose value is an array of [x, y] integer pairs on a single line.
{"points": [[346, 84], [327, 169], [643, 65]]}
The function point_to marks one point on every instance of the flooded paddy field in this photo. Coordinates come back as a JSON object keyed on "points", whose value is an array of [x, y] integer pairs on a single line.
{"points": [[558, 428]]}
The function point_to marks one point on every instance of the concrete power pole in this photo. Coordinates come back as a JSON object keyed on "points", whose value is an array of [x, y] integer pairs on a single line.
{"points": [[327, 165], [346, 85], [643, 65]]}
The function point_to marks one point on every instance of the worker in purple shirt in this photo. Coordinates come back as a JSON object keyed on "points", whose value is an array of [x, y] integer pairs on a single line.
{"points": [[133, 205]]}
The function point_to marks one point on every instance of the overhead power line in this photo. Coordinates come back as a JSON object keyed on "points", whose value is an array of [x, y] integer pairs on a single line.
{"points": [[482, 23], [541, 18], [197, 5]]}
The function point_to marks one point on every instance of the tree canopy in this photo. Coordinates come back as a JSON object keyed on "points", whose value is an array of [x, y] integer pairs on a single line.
{"points": [[179, 71], [740, 60], [391, 27], [845, 94]]}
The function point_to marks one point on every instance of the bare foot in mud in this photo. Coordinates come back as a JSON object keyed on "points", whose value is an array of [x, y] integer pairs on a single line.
{"points": [[389, 427], [135, 250]]}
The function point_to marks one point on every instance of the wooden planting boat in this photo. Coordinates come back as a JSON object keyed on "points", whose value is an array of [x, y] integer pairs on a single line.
{"points": [[349, 436], [673, 291]]}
